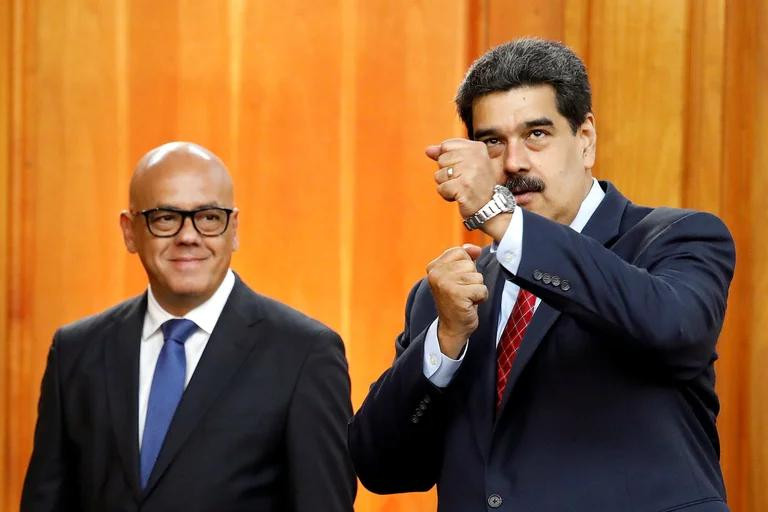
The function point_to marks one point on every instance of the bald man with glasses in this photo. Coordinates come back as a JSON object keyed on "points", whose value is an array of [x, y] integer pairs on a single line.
{"points": [[198, 395]]}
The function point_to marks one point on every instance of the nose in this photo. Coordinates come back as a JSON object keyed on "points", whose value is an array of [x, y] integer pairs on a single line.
{"points": [[516, 157], [188, 234]]}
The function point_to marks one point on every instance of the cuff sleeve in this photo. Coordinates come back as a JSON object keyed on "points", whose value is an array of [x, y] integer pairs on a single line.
{"points": [[510, 250], [438, 367]]}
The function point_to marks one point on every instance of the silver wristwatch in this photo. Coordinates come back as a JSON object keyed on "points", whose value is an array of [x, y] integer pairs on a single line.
{"points": [[503, 201]]}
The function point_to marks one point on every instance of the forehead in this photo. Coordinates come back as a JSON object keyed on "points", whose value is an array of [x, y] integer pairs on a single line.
{"points": [[183, 183], [506, 109]]}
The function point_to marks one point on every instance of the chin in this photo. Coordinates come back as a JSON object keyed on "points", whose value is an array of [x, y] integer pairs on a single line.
{"points": [[190, 286]]}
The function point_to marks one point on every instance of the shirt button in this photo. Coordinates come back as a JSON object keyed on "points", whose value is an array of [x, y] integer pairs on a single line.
{"points": [[494, 501], [434, 359], [508, 257]]}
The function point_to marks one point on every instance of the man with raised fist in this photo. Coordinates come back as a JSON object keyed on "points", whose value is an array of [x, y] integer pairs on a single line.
{"points": [[568, 366]]}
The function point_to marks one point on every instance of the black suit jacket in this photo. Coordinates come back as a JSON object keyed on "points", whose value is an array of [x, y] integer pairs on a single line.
{"points": [[261, 425], [610, 404]]}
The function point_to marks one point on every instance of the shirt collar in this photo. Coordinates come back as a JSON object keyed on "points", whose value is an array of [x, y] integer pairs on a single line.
{"points": [[588, 206], [205, 315]]}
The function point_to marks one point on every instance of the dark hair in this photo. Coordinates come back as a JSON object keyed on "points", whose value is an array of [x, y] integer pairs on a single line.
{"points": [[525, 62]]}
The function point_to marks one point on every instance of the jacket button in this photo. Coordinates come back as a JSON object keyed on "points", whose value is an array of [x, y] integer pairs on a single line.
{"points": [[414, 419], [494, 501], [537, 274], [565, 286], [546, 279], [555, 281]]}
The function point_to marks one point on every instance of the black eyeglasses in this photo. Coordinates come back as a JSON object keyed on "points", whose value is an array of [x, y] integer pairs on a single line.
{"points": [[167, 222]]}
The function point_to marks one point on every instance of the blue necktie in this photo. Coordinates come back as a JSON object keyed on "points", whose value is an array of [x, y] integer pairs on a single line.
{"points": [[166, 391]]}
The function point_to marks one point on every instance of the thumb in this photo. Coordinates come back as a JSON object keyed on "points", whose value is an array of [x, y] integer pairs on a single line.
{"points": [[473, 250], [433, 151]]}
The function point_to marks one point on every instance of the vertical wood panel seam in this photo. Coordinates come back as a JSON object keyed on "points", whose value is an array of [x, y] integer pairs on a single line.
{"points": [[122, 165], [687, 107], [236, 11], [7, 17], [20, 196], [347, 112]]}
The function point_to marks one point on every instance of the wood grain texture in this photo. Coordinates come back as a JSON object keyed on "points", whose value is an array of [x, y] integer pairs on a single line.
{"points": [[736, 365], [322, 115], [6, 74], [757, 462], [637, 67]]}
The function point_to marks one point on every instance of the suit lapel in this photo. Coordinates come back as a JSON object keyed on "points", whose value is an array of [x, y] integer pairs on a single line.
{"points": [[480, 364], [228, 347], [121, 354], [602, 226]]}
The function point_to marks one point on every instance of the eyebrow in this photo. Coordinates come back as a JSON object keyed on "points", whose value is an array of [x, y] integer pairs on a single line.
{"points": [[541, 121]]}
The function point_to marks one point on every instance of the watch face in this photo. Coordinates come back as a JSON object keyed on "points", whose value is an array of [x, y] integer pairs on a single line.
{"points": [[505, 197]]}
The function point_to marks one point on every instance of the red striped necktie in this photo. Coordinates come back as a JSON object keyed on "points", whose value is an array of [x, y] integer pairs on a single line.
{"points": [[511, 338]]}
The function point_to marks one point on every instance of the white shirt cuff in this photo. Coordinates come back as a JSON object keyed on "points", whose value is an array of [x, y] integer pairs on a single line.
{"points": [[510, 250], [438, 367]]}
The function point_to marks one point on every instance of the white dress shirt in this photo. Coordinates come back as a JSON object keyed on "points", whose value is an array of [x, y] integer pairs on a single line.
{"points": [[438, 367], [205, 316]]}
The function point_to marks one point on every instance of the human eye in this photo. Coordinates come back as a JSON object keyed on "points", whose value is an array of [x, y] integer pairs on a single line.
{"points": [[537, 138], [494, 145], [161, 217]]}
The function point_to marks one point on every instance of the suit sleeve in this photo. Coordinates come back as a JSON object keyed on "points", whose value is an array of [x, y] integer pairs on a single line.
{"points": [[320, 471], [396, 438], [667, 303], [48, 485]]}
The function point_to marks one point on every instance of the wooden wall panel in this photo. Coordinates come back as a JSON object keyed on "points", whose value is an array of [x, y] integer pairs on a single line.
{"points": [[408, 62], [743, 166], [637, 66], [322, 115], [757, 462], [289, 154], [6, 74]]}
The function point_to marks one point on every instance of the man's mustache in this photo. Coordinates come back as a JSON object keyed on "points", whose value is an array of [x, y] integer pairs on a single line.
{"points": [[522, 183]]}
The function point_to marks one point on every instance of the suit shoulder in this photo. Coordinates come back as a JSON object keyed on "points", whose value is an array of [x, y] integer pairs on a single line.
{"points": [[90, 326], [294, 324], [664, 217]]}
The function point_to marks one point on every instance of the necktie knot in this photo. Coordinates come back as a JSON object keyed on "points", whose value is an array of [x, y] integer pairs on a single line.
{"points": [[178, 330]]}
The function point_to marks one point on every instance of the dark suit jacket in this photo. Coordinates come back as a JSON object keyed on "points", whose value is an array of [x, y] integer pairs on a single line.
{"points": [[610, 405], [260, 427]]}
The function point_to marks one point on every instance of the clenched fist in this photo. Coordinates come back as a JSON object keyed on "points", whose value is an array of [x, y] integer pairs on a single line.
{"points": [[466, 174], [458, 288]]}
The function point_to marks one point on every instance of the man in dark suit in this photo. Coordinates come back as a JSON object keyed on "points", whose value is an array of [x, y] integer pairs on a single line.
{"points": [[569, 366], [199, 395]]}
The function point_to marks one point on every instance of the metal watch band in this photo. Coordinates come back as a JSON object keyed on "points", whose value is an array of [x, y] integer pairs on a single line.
{"points": [[502, 201]]}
